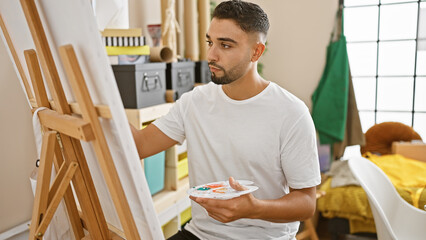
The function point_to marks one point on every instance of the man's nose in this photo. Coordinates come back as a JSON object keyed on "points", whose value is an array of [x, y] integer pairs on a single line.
{"points": [[212, 55]]}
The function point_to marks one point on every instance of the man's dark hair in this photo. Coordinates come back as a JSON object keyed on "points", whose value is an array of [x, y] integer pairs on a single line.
{"points": [[249, 16]]}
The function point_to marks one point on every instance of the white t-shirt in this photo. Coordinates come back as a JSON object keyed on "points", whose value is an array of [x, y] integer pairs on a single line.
{"points": [[269, 139]]}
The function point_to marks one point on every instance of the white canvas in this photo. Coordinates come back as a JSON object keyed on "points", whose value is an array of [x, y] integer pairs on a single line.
{"points": [[72, 22]]}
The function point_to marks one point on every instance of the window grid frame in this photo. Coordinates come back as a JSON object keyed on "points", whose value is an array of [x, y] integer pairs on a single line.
{"points": [[378, 41]]}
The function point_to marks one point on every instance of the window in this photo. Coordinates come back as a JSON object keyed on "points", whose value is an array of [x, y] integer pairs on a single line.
{"points": [[387, 56]]}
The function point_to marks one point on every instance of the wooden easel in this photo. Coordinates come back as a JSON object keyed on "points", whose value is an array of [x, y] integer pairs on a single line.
{"points": [[68, 159]]}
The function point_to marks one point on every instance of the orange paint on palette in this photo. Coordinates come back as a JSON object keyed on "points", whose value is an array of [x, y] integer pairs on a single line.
{"points": [[220, 190], [217, 185]]}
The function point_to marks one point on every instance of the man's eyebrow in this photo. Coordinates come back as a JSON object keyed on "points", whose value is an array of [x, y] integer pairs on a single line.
{"points": [[223, 39], [227, 40]]}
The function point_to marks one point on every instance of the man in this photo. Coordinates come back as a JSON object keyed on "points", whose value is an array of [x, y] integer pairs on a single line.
{"points": [[244, 127]]}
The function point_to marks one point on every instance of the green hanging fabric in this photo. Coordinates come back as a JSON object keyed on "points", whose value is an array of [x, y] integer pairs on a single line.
{"points": [[330, 99]]}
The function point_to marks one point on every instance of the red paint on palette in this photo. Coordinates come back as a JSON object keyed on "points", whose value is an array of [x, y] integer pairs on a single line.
{"points": [[217, 185]]}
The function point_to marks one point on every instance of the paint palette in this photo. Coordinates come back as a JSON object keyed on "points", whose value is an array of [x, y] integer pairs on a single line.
{"points": [[221, 190]]}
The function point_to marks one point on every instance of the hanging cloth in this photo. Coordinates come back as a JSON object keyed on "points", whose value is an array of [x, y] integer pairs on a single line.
{"points": [[353, 128], [330, 99]]}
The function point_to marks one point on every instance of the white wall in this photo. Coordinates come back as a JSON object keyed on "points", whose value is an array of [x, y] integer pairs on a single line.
{"points": [[295, 59], [297, 42], [17, 148]]}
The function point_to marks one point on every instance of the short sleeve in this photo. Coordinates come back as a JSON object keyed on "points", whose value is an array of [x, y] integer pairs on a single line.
{"points": [[299, 154], [172, 124]]}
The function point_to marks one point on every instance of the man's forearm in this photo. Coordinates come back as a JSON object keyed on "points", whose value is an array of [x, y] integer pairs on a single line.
{"points": [[298, 205], [137, 136], [151, 140]]}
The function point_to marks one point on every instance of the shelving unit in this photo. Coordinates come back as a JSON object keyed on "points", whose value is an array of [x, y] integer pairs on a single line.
{"points": [[172, 202]]}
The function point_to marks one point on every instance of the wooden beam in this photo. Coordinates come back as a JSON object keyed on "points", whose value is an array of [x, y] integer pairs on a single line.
{"points": [[76, 78], [83, 182], [101, 110], [70, 201], [69, 125], [36, 78], [46, 59], [135, 116], [171, 175], [85, 189], [59, 194], [42, 101], [60, 174], [43, 182]]}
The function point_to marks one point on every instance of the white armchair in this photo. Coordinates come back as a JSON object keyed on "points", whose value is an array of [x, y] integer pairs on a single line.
{"points": [[393, 216]]}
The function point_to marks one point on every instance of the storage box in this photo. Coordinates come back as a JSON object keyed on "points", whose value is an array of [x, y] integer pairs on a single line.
{"points": [[410, 150], [180, 77], [202, 72], [154, 168], [141, 85]]}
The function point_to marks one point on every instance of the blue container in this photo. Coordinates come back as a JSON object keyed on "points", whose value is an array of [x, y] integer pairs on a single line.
{"points": [[154, 171]]}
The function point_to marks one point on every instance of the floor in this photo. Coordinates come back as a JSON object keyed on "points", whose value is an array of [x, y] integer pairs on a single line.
{"points": [[323, 232], [322, 229], [21, 236]]}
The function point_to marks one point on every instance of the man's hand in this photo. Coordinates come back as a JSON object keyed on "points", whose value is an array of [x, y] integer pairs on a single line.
{"points": [[232, 209]]}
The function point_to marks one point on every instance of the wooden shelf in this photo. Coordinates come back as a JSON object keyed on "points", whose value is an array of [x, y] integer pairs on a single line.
{"points": [[170, 204], [173, 199], [166, 198], [139, 116]]}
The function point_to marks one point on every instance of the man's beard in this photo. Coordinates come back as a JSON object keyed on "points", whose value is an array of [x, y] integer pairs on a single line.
{"points": [[228, 76]]}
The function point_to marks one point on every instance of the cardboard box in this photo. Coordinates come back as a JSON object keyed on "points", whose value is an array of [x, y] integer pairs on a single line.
{"points": [[414, 150]]}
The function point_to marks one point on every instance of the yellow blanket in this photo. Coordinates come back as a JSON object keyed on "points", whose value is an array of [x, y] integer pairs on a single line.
{"points": [[351, 202], [407, 174]]}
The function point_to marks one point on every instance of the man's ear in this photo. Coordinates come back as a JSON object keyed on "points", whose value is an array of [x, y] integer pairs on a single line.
{"points": [[258, 51]]}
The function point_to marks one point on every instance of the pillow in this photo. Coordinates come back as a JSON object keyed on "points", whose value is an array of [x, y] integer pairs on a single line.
{"points": [[379, 138]]}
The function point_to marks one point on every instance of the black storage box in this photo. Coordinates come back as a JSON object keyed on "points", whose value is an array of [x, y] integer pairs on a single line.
{"points": [[202, 72], [180, 77], [141, 85]]}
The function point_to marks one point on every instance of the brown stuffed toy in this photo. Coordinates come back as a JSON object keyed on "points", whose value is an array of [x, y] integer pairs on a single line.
{"points": [[379, 138]]}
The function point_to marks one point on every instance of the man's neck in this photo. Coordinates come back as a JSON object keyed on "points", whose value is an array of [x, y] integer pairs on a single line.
{"points": [[246, 87]]}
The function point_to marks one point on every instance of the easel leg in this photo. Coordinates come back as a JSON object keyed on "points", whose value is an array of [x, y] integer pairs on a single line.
{"points": [[69, 199], [42, 101], [78, 84], [44, 208], [73, 151], [63, 185], [43, 182]]}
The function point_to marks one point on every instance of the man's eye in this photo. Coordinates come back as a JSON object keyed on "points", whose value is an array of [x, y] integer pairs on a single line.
{"points": [[209, 43], [225, 45]]}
